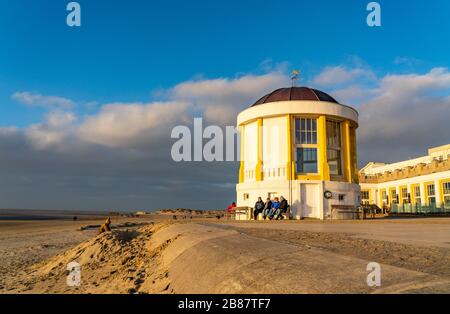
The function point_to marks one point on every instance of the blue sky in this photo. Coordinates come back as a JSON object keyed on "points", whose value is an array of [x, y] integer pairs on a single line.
{"points": [[126, 49], [57, 82]]}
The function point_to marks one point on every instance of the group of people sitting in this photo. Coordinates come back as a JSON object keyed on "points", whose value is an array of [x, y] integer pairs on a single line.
{"points": [[271, 209]]}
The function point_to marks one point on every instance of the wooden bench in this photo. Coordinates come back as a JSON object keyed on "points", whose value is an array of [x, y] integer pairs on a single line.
{"points": [[345, 212]]}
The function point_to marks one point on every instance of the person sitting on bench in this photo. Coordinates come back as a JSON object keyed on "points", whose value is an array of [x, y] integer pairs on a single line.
{"points": [[282, 209], [267, 208], [275, 207], [259, 207]]}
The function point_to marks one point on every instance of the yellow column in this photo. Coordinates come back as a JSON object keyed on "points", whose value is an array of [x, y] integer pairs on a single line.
{"points": [[258, 170], [323, 160], [441, 189], [290, 167], [354, 159], [412, 194], [241, 168], [346, 146]]}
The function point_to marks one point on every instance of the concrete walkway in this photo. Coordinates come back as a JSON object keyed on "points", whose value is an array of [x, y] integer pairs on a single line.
{"points": [[421, 232], [212, 259]]}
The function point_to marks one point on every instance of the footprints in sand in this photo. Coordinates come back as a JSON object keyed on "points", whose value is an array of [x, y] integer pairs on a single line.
{"points": [[120, 261]]}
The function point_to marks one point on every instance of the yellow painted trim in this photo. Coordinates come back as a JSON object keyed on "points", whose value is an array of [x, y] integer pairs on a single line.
{"points": [[289, 163], [308, 177], [346, 147], [258, 169], [241, 168], [324, 169], [354, 156]]}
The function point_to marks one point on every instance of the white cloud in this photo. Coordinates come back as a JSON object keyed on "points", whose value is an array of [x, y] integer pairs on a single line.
{"points": [[38, 100], [406, 115], [336, 75], [353, 94], [120, 125], [137, 125], [56, 126], [221, 99], [124, 149]]}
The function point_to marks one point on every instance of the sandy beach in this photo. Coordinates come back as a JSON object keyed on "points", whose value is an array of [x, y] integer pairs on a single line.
{"points": [[160, 255]]}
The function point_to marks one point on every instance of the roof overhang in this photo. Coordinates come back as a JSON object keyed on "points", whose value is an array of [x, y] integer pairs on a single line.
{"points": [[297, 107]]}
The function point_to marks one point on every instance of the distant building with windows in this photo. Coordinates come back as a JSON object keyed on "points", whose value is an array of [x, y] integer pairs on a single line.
{"points": [[299, 143], [411, 186]]}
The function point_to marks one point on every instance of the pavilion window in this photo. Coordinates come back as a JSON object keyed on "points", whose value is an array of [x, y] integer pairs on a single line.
{"points": [[404, 194], [384, 197], [393, 197], [446, 193], [307, 160], [365, 198], [305, 131], [417, 196], [306, 145], [334, 147], [431, 194]]}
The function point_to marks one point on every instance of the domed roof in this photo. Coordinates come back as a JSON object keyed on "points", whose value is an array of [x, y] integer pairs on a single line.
{"points": [[295, 93]]}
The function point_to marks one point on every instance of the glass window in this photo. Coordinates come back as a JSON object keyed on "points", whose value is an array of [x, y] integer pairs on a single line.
{"points": [[306, 145], [431, 200], [446, 192], [393, 197], [446, 187], [431, 190], [305, 131], [365, 195], [447, 200], [417, 191], [307, 160], [365, 199], [431, 194], [384, 196], [334, 147], [404, 194]]}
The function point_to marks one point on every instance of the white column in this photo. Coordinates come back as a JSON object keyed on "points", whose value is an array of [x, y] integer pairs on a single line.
{"points": [[437, 187], [422, 193]]}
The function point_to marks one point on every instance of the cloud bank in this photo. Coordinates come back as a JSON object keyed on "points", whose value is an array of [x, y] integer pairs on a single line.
{"points": [[119, 157]]}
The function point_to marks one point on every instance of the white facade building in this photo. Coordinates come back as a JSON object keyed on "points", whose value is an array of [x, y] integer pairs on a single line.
{"points": [[410, 184], [299, 143]]}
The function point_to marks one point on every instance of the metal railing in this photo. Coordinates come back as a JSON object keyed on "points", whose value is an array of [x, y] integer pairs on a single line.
{"points": [[418, 209]]}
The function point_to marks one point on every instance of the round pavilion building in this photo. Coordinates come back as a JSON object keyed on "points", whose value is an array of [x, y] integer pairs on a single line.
{"points": [[299, 143]]}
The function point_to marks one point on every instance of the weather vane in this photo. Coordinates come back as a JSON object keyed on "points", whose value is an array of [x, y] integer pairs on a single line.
{"points": [[295, 76]]}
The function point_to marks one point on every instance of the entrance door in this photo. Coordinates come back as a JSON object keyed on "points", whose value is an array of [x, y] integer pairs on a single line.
{"points": [[309, 200]]}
